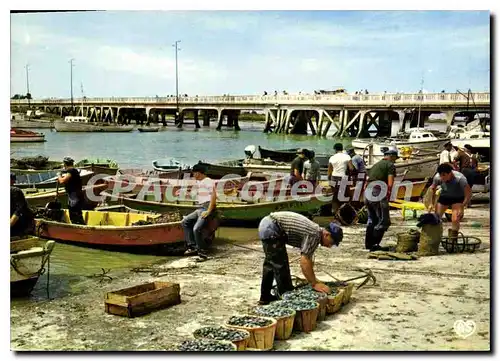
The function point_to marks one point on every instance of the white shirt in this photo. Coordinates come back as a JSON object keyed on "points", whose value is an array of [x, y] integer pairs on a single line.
{"points": [[205, 188], [445, 157], [339, 163]]}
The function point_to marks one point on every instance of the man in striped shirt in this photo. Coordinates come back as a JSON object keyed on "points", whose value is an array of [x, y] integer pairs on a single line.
{"points": [[281, 228]]}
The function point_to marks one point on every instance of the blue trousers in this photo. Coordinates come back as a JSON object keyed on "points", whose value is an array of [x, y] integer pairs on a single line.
{"points": [[193, 225]]}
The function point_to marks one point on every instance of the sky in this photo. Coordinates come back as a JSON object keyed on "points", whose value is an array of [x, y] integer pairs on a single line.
{"points": [[130, 53]]}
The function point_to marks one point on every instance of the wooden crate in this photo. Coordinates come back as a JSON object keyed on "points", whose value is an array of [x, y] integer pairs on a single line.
{"points": [[142, 299]]}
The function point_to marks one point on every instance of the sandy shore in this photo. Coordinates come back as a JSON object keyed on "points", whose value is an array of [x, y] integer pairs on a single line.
{"points": [[413, 306]]}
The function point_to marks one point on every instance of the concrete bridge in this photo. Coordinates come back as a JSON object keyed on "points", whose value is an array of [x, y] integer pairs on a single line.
{"points": [[350, 115]]}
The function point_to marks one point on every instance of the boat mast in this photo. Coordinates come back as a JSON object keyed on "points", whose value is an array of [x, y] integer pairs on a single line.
{"points": [[421, 99]]}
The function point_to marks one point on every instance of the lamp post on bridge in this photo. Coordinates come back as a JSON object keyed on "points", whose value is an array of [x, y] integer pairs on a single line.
{"points": [[176, 45], [71, 83], [28, 95]]}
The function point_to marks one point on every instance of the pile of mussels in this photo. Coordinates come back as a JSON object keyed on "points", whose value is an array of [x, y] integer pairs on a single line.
{"points": [[304, 293], [249, 321], [274, 310], [206, 345], [221, 333], [297, 304]]}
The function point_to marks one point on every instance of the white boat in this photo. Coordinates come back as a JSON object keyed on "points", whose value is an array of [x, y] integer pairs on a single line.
{"points": [[477, 139], [412, 169], [416, 140], [83, 124], [28, 260]]}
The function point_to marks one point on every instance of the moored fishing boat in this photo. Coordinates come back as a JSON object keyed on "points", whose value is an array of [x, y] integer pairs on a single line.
{"points": [[47, 179], [168, 164], [288, 155], [219, 170], [417, 139], [83, 124], [236, 211], [25, 136], [40, 197], [33, 165], [148, 173], [105, 228], [98, 166], [28, 259]]}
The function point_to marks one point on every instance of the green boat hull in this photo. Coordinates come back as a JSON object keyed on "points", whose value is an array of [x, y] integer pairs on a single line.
{"points": [[233, 213]]}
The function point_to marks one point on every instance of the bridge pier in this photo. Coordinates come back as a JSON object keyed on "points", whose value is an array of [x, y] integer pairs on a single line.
{"points": [[195, 117], [206, 118]]}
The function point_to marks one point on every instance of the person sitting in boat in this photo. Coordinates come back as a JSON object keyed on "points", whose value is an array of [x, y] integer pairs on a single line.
{"points": [[21, 217], [445, 156], [377, 203], [357, 164], [311, 168], [281, 228], [73, 186], [297, 167], [195, 222], [455, 193]]}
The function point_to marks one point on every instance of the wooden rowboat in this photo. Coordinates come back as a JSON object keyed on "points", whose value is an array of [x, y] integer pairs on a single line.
{"points": [[148, 173], [46, 180], [219, 171], [40, 197], [233, 212], [288, 155], [98, 166], [115, 229], [28, 258]]}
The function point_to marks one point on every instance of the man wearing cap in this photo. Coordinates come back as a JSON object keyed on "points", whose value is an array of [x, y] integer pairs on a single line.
{"points": [[378, 204], [297, 166], [21, 217], [357, 164], [73, 186], [281, 228], [195, 222], [445, 156]]}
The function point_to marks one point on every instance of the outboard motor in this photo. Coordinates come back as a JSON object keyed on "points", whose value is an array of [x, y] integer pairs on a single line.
{"points": [[250, 151]]}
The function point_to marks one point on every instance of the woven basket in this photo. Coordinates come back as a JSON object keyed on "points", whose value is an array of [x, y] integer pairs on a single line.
{"points": [[241, 345], [408, 241], [335, 302], [306, 320], [284, 325], [461, 244], [430, 237], [261, 338]]}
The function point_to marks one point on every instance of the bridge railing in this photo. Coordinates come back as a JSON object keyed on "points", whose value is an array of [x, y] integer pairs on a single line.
{"points": [[380, 99]]}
